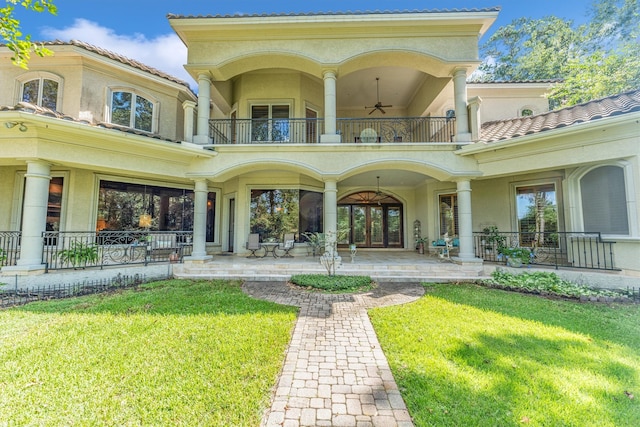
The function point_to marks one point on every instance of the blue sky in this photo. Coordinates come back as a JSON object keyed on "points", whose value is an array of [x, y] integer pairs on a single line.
{"points": [[140, 30]]}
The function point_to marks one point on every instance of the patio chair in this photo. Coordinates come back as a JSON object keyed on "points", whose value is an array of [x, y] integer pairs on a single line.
{"points": [[287, 244], [253, 244]]}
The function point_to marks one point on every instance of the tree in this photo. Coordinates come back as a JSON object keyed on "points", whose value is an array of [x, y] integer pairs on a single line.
{"points": [[593, 60], [22, 47]]}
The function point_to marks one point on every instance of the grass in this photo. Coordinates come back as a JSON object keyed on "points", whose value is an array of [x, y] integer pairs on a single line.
{"points": [[467, 355], [169, 353]]}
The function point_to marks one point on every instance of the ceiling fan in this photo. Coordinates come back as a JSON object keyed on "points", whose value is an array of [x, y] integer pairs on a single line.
{"points": [[378, 105]]}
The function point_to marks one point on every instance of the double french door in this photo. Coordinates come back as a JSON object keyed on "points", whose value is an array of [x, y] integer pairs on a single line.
{"points": [[371, 226]]}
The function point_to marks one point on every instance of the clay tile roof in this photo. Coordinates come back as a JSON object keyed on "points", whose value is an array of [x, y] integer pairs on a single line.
{"points": [[117, 57], [349, 12], [623, 103], [27, 107]]}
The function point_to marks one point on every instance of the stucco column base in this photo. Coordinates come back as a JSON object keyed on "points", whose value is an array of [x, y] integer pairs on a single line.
{"points": [[23, 270], [467, 261], [330, 138], [463, 137], [197, 259], [201, 139]]}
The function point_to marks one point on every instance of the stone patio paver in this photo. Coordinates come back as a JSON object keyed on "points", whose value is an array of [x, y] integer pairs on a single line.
{"points": [[335, 373]]}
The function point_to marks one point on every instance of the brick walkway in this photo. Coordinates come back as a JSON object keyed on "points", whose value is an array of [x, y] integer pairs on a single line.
{"points": [[335, 373]]}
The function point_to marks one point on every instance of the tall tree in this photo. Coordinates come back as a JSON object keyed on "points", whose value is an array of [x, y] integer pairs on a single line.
{"points": [[593, 60], [22, 46]]}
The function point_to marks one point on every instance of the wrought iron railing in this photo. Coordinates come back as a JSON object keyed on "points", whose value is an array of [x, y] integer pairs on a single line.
{"points": [[9, 247], [556, 249], [82, 249], [308, 131]]}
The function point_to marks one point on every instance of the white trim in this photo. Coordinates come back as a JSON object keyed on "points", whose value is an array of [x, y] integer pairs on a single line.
{"points": [[135, 93], [630, 190], [40, 75]]}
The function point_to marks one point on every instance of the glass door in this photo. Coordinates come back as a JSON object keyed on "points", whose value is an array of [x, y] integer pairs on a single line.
{"points": [[371, 226]]}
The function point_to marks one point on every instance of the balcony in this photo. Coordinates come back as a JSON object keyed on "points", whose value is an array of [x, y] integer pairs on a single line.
{"points": [[352, 131]]}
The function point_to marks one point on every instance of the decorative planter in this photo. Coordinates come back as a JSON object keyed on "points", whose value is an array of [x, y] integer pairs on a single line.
{"points": [[514, 262]]}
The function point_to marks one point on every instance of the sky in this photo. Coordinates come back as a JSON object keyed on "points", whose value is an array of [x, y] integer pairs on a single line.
{"points": [[139, 29]]}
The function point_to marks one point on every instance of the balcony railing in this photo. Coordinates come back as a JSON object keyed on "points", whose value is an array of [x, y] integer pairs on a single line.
{"points": [[308, 131], [9, 247], [82, 249], [555, 249]]}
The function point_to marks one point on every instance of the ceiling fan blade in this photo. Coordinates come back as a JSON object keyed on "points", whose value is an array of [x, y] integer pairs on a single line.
{"points": [[371, 112], [383, 112]]}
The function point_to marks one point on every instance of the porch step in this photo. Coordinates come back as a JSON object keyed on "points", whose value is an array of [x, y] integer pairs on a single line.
{"points": [[276, 270]]}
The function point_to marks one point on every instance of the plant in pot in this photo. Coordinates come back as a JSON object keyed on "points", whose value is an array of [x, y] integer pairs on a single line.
{"points": [[315, 241], [492, 239], [420, 242], [79, 254], [516, 257]]}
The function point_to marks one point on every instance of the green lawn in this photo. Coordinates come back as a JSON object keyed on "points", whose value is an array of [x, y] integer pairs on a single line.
{"points": [[169, 353], [469, 356]]}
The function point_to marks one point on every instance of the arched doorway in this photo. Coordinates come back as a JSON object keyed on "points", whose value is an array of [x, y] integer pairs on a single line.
{"points": [[371, 219]]}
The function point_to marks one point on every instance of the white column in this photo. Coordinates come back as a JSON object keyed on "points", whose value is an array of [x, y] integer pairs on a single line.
{"points": [[189, 108], [34, 215], [329, 134], [460, 99], [330, 221], [199, 252], [204, 102], [465, 224]]}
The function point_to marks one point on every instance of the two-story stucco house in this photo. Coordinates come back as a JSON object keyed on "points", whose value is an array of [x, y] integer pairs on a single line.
{"points": [[358, 124]]}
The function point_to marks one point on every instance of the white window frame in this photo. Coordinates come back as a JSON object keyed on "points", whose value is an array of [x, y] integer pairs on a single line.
{"points": [[135, 93], [527, 107], [270, 103], [513, 196], [41, 76], [575, 197]]}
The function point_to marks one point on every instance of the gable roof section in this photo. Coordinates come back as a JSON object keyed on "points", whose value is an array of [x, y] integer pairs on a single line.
{"points": [[500, 130], [119, 58]]}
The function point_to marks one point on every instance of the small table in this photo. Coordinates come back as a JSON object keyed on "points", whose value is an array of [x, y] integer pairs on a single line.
{"points": [[270, 248]]}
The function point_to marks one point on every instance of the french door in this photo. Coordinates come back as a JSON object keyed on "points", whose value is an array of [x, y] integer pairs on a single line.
{"points": [[371, 226]]}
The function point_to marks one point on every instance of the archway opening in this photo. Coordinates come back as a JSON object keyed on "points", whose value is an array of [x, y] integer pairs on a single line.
{"points": [[370, 219]]}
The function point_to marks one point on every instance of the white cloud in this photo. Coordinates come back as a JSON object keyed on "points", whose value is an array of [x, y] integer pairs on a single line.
{"points": [[166, 52]]}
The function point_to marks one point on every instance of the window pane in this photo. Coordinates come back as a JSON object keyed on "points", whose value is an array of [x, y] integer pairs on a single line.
{"points": [[121, 108], [144, 114], [49, 94], [394, 224], [30, 91], [280, 111], [54, 204], [537, 212], [449, 214], [274, 213], [260, 123], [604, 201]]}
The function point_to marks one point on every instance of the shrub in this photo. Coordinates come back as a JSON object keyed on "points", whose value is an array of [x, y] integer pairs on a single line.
{"points": [[333, 283]]}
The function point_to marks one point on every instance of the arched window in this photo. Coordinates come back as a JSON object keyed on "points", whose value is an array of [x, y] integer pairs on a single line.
{"points": [[130, 109], [41, 88], [526, 112], [604, 201]]}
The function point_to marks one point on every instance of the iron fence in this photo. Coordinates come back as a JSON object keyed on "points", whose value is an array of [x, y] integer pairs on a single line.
{"points": [[82, 249], [9, 247], [14, 297], [356, 130], [556, 249]]}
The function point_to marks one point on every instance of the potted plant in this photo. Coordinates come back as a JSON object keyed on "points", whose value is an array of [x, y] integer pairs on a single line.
{"points": [[516, 257], [79, 254], [492, 239], [315, 241], [420, 241]]}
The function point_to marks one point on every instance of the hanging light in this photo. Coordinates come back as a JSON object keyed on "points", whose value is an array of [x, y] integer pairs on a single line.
{"points": [[145, 218], [379, 196]]}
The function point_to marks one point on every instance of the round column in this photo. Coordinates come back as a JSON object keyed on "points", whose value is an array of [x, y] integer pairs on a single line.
{"points": [[204, 102], [460, 99], [34, 214], [465, 224], [329, 134], [199, 252], [330, 207]]}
